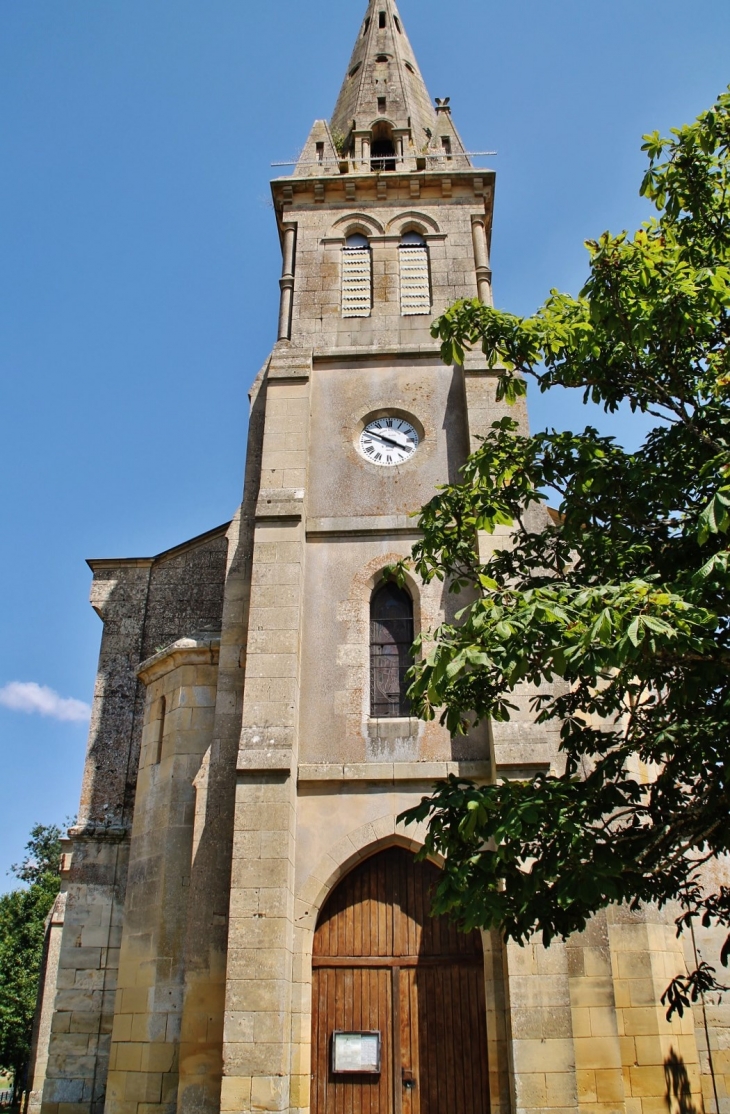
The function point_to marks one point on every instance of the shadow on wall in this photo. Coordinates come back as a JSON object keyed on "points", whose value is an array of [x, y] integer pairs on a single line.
{"points": [[679, 1094], [457, 435]]}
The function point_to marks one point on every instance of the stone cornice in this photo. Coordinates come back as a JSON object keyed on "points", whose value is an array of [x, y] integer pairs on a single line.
{"points": [[99, 564], [373, 352], [393, 771], [197, 650], [99, 833]]}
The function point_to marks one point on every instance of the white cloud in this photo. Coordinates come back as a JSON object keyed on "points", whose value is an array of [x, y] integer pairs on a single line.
{"points": [[27, 696]]}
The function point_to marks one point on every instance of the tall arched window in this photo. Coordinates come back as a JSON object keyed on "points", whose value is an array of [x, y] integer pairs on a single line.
{"points": [[357, 280], [415, 285], [391, 638]]}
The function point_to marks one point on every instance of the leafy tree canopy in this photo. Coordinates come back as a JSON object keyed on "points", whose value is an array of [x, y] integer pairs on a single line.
{"points": [[23, 915], [619, 610]]}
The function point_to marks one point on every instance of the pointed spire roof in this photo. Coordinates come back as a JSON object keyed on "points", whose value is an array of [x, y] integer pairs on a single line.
{"points": [[383, 82], [383, 96]]}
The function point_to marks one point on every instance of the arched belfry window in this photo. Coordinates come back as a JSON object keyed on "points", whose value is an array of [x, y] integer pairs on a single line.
{"points": [[415, 285], [391, 638], [357, 279]]}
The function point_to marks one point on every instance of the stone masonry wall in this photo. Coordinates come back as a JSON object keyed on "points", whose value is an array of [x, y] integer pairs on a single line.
{"points": [[94, 875], [185, 588]]}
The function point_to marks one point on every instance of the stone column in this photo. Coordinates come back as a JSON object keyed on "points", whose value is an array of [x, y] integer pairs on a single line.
{"points": [[498, 1050], [181, 695], [481, 259], [660, 1058], [206, 944], [543, 1054], [257, 1035], [598, 1063], [44, 1007], [286, 282]]}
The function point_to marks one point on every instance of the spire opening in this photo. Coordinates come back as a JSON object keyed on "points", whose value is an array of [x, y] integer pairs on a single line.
{"points": [[387, 69], [382, 147]]}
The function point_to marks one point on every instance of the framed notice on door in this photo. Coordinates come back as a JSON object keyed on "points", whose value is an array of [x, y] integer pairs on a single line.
{"points": [[356, 1053]]}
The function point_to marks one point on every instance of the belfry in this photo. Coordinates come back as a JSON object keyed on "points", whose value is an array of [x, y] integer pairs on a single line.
{"points": [[243, 925]]}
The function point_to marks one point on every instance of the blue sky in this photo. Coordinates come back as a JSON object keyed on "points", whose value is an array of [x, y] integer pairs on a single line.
{"points": [[139, 263]]}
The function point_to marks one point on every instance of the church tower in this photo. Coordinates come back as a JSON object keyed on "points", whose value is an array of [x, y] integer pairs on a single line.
{"points": [[383, 223], [242, 925]]}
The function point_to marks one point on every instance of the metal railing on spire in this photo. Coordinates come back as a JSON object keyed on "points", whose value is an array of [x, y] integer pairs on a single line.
{"points": [[428, 156]]}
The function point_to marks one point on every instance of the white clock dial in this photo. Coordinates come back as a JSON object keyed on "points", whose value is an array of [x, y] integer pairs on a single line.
{"points": [[388, 441]]}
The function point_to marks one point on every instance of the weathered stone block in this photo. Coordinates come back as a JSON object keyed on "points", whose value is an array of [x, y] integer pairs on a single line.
{"points": [[269, 1093], [235, 1094]]}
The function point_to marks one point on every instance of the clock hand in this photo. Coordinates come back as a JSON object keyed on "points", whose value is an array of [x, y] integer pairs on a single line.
{"points": [[394, 437], [388, 443]]}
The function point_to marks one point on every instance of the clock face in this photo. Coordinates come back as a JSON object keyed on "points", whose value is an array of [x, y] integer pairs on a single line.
{"points": [[388, 441]]}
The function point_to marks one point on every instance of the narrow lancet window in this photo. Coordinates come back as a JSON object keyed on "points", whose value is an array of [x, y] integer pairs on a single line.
{"points": [[415, 285], [357, 279], [159, 731], [391, 638]]}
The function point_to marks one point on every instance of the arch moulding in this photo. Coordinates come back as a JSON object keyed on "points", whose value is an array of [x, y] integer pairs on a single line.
{"points": [[412, 221], [357, 845], [356, 222]]}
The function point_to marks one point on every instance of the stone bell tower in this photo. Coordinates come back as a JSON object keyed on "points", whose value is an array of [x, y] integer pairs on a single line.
{"points": [[242, 925], [383, 223]]}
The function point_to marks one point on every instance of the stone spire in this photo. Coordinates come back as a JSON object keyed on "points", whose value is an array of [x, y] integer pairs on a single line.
{"points": [[383, 105], [383, 71]]}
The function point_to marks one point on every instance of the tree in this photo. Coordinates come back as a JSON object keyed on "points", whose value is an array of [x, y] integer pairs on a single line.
{"points": [[622, 605], [23, 914]]}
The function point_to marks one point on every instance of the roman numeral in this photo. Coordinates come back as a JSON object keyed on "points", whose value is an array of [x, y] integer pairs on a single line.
{"points": [[378, 456], [389, 422], [369, 449]]}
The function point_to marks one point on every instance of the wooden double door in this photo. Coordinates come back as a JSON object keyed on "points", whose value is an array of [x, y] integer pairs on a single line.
{"points": [[381, 963]]}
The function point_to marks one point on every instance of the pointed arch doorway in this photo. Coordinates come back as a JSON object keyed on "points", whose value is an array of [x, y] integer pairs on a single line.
{"points": [[382, 965]]}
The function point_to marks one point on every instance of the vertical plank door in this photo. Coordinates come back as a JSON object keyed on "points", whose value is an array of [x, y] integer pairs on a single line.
{"points": [[381, 962]]}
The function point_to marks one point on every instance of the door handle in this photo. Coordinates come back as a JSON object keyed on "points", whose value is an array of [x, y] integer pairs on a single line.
{"points": [[407, 1077]]}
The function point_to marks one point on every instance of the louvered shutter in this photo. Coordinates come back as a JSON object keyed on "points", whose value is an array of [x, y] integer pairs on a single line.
{"points": [[356, 282], [415, 291]]}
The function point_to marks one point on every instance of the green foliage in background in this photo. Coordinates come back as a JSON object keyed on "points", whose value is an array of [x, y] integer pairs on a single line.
{"points": [[23, 915], [619, 609]]}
